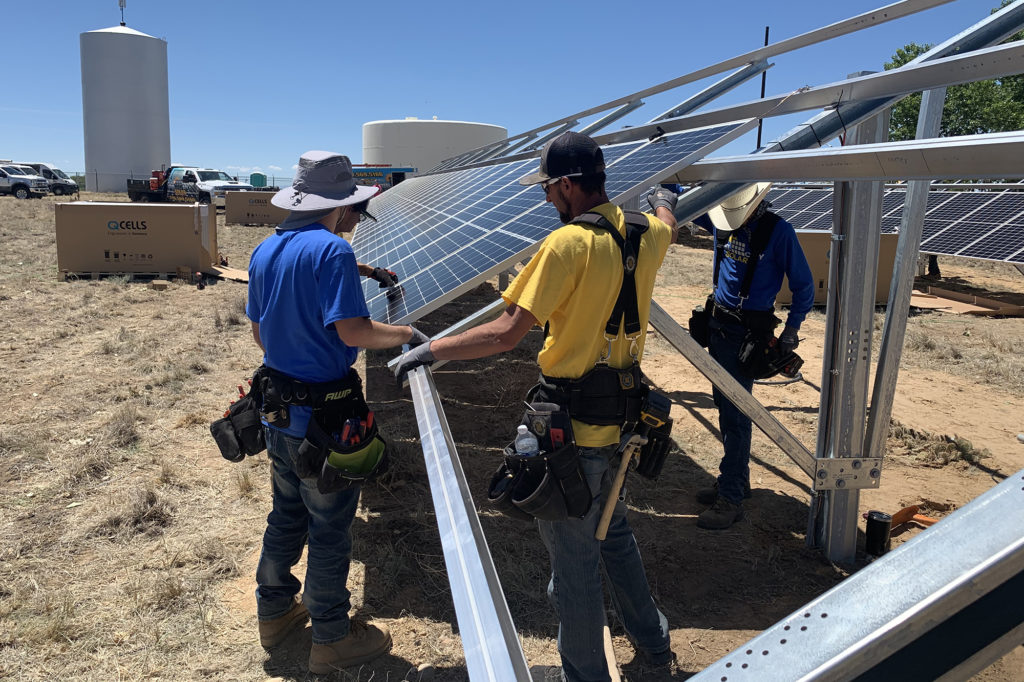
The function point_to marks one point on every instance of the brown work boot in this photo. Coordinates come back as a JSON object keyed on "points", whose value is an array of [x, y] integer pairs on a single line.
{"points": [[720, 515], [709, 495], [273, 632], [363, 643]]}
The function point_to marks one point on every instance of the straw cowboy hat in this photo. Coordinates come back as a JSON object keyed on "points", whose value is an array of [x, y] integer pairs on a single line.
{"points": [[323, 181], [734, 211]]}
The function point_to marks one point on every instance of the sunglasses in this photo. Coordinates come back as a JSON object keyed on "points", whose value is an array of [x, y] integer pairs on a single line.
{"points": [[360, 208], [546, 184]]}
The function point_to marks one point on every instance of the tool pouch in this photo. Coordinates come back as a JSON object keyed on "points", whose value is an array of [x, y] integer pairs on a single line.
{"points": [[345, 467], [550, 485], [240, 433], [756, 354], [337, 466], [698, 324], [655, 451]]}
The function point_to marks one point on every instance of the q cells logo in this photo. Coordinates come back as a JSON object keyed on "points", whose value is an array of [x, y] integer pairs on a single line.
{"points": [[126, 225]]}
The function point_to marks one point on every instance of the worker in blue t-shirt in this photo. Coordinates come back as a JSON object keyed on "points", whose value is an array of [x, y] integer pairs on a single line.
{"points": [[735, 223], [309, 316]]}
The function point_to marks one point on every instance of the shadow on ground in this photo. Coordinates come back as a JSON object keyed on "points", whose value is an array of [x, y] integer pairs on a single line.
{"points": [[745, 578]]}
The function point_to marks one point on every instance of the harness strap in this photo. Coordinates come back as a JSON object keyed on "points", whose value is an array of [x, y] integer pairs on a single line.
{"points": [[626, 305], [759, 239], [760, 235]]}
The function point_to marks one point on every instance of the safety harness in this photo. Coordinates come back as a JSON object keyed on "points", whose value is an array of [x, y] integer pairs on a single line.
{"points": [[759, 354], [759, 238], [552, 485], [607, 395]]}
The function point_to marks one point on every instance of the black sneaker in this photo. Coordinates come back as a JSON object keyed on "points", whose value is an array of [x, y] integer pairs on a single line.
{"points": [[720, 515], [708, 496]]}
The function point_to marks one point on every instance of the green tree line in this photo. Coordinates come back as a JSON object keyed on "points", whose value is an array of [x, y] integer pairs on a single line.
{"points": [[991, 106]]}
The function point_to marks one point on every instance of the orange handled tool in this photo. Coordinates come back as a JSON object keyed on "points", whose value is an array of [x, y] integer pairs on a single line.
{"points": [[908, 514]]}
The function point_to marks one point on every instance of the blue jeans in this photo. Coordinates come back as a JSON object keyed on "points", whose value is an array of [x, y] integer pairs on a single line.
{"points": [[302, 513], [734, 478], [575, 587]]}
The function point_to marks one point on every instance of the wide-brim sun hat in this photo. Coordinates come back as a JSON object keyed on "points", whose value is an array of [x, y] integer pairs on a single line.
{"points": [[732, 213], [323, 181]]}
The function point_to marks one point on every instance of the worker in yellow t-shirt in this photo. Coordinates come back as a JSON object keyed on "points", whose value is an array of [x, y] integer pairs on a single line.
{"points": [[572, 285]]}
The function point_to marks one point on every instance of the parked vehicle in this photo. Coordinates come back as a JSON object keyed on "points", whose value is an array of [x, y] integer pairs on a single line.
{"points": [[186, 184], [21, 182], [58, 180]]}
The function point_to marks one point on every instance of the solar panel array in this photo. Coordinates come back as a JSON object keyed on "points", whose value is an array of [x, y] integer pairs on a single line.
{"points": [[467, 158], [444, 233], [983, 225]]}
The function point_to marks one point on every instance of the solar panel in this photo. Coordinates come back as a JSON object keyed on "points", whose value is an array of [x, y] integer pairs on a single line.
{"points": [[443, 233], [983, 225]]}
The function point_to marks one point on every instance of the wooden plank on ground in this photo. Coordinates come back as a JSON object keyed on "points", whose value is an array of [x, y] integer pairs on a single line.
{"points": [[609, 656], [233, 274], [961, 303]]}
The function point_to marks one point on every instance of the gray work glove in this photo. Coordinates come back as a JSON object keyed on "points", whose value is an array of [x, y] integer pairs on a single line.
{"points": [[788, 340], [662, 197], [418, 337], [410, 360], [385, 277]]}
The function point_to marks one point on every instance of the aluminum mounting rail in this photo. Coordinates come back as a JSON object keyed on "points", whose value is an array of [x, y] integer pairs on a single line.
{"points": [[875, 17], [942, 606], [993, 155], [826, 125], [715, 90], [990, 62], [934, 186], [489, 639], [681, 340], [489, 312]]}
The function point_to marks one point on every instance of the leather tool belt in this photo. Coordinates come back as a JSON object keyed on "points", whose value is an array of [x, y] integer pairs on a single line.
{"points": [[549, 485]]}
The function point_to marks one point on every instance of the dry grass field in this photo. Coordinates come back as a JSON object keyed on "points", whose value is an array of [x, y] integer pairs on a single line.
{"points": [[128, 545]]}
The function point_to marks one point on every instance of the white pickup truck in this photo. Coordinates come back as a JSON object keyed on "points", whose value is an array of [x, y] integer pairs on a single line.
{"points": [[20, 182], [186, 184]]}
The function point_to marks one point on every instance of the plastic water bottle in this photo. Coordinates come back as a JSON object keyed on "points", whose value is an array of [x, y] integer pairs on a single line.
{"points": [[526, 443]]}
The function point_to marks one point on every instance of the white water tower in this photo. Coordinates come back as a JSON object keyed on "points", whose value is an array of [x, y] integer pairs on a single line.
{"points": [[422, 144], [125, 110]]}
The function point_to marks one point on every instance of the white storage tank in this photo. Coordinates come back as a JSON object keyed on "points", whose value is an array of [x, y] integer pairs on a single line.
{"points": [[125, 111], [422, 144]]}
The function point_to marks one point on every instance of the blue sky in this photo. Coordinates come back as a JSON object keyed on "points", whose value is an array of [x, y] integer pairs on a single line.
{"points": [[254, 84]]}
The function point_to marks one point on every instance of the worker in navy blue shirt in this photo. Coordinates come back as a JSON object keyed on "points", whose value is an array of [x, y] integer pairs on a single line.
{"points": [[734, 224], [309, 316]]}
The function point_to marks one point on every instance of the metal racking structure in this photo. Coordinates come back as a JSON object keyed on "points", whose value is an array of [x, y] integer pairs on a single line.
{"points": [[878, 630]]}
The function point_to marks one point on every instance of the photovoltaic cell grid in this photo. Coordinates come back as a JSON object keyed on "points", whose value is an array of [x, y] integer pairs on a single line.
{"points": [[463, 159], [443, 233], [983, 225]]}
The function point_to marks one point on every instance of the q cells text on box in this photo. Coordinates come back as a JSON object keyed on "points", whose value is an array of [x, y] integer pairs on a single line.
{"points": [[134, 238], [252, 208]]}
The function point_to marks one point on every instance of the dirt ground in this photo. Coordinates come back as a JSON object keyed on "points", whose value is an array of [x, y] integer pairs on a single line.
{"points": [[128, 545]]}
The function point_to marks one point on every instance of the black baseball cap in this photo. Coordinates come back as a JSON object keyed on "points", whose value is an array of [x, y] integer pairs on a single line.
{"points": [[571, 154]]}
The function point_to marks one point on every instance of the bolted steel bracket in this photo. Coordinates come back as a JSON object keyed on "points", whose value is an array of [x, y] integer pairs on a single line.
{"points": [[847, 473]]}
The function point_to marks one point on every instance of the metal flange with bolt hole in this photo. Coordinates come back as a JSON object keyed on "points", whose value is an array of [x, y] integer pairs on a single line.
{"points": [[847, 473]]}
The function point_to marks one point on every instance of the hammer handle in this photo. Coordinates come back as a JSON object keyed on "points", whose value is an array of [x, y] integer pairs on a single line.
{"points": [[613, 495]]}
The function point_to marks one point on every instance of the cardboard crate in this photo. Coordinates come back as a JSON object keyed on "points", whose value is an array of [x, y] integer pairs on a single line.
{"points": [[252, 208], [98, 237], [816, 245]]}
